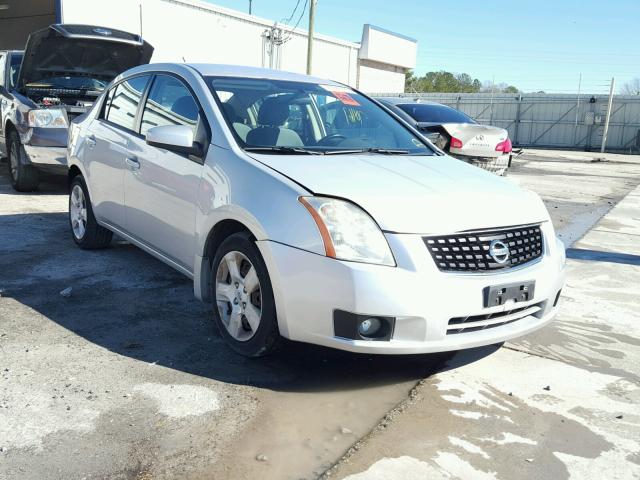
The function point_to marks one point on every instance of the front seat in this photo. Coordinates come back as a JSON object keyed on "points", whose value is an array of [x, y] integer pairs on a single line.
{"points": [[241, 129], [186, 107], [270, 133]]}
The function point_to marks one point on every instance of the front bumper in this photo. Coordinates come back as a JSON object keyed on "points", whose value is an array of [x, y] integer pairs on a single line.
{"points": [[308, 288], [497, 165], [46, 156]]}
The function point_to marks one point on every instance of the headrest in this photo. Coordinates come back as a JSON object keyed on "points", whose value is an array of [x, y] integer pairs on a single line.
{"points": [[186, 107], [229, 112], [273, 112]]}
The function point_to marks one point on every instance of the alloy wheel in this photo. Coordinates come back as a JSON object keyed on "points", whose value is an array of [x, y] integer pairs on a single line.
{"points": [[78, 212], [238, 296]]}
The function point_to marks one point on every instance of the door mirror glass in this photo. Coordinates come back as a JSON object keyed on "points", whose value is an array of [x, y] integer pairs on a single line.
{"points": [[177, 138]]}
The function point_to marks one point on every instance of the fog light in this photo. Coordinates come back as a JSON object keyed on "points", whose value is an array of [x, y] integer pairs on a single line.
{"points": [[369, 327]]}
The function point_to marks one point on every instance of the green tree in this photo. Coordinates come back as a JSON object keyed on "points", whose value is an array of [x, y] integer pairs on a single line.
{"points": [[442, 81], [447, 82]]}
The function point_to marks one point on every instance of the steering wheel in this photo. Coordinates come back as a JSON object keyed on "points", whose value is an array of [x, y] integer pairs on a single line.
{"points": [[331, 140]]}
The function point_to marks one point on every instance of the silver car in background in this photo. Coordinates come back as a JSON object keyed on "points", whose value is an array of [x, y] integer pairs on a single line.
{"points": [[456, 133], [302, 209]]}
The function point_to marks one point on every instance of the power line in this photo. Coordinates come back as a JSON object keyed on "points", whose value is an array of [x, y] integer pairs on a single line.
{"points": [[290, 31], [286, 21]]}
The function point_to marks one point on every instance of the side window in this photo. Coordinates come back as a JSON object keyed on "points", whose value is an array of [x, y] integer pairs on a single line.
{"points": [[170, 103], [123, 102], [3, 61], [14, 69]]}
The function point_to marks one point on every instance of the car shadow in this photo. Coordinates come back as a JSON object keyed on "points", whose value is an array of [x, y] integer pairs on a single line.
{"points": [[586, 254], [50, 183], [129, 303]]}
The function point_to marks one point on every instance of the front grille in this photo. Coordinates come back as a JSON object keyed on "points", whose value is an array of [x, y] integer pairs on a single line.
{"points": [[469, 251], [474, 323]]}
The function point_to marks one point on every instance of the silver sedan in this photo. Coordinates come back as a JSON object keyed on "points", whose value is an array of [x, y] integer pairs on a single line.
{"points": [[302, 209]]}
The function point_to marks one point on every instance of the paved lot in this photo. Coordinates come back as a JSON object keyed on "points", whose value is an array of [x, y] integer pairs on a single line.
{"points": [[127, 377]]}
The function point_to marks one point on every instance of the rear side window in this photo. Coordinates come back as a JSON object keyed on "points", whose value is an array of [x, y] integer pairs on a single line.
{"points": [[423, 112], [169, 103], [123, 100]]}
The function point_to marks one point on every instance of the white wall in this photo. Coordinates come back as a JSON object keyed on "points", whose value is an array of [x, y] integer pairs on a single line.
{"points": [[374, 78], [192, 31], [382, 46]]}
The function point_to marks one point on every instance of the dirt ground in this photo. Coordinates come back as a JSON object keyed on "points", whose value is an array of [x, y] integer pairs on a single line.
{"points": [[128, 378]]}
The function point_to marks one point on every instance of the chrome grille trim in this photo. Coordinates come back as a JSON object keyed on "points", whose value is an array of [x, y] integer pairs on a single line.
{"points": [[469, 251]]}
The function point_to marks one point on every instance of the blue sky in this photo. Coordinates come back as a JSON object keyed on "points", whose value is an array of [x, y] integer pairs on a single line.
{"points": [[534, 45]]}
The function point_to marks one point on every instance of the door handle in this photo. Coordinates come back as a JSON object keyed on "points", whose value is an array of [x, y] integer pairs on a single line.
{"points": [[91, 141], [133, 162]]}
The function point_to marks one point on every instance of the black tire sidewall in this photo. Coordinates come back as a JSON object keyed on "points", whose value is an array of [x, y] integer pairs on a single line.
{"points": [[267, 338], [89, 240], [22, 170]]}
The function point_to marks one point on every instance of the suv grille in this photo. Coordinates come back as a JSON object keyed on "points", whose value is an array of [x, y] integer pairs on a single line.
{"points": [[469, 251]]}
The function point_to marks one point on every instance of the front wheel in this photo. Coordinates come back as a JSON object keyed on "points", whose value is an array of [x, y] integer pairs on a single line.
{"points": [[244, 308], [24, 177], [85, 230]]}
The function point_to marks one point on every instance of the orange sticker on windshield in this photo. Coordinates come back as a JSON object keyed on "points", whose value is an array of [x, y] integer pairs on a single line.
{"points": [[346, 99]]}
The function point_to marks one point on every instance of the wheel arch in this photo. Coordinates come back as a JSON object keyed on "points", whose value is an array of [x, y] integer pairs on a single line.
{"points": [[203, 268]]}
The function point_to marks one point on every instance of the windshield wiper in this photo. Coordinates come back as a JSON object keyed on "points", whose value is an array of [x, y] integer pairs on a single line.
{"points": [[383, 151], [289, 150]]}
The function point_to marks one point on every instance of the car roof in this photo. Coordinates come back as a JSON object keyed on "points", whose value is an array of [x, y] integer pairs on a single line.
{"points": [[404, 101], [220, 70]]}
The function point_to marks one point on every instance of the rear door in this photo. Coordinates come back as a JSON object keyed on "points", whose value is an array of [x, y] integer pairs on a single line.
{"points": [[161, 186], [107, 143]]}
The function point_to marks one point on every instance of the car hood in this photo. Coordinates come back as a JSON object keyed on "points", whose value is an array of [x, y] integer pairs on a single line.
{"points": [[81, 50], [415, 194]]}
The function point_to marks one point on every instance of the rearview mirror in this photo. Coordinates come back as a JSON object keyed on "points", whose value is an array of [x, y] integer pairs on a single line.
{"points": [[177, 138]]}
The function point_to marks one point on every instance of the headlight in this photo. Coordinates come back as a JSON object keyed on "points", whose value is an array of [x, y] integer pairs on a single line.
{"points": [[48, 118], [348, 232]]}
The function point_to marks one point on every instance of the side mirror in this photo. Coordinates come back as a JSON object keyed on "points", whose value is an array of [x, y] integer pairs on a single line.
{"points": [[176, 138]]}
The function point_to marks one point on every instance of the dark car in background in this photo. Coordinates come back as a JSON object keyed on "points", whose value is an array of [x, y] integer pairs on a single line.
{"points": [[456, 133], [62, 71]]}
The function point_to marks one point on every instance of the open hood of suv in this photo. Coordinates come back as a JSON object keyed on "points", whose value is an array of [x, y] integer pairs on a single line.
{"points": [[81, 50], [415, 194]]}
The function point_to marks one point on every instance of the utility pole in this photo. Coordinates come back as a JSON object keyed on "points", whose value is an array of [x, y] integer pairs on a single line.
{"points": [[250, 2], [575, 126], [608, 117], [312, 14]]}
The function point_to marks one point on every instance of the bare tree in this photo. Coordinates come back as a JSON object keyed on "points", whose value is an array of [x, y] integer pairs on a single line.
{"points": [[631, 88]]}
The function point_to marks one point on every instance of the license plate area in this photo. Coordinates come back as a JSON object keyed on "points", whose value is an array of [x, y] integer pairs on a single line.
{"points": [[509, 293]]}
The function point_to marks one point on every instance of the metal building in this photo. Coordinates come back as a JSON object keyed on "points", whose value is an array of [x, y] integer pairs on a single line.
{"points": [[198, 31]]}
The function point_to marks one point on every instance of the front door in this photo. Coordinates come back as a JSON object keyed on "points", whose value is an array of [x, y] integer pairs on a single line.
{"points": [[161, 186]]}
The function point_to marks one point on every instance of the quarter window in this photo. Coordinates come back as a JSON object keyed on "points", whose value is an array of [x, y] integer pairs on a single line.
{"points": [[170, 103], [123, 101]]}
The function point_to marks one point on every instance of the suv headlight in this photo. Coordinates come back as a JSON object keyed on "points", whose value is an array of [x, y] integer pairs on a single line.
{"points": [[48, 118], [348, 232]]}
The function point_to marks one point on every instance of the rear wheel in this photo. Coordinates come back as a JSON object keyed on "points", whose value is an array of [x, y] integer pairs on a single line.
{"points": [[24, 177], [85, 230], [244, 308]]}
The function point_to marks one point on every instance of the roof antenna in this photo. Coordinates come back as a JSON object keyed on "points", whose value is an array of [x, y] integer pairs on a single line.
{"points": [[140, 7]]}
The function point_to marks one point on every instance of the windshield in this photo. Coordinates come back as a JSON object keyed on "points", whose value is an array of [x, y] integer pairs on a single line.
{"points": [[16, 60], [299, 117], [70, 83], [424, 112]]}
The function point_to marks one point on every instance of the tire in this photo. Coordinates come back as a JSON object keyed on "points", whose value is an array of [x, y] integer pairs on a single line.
{"points": [[85, 231], [24, 177], [234, 308]]}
